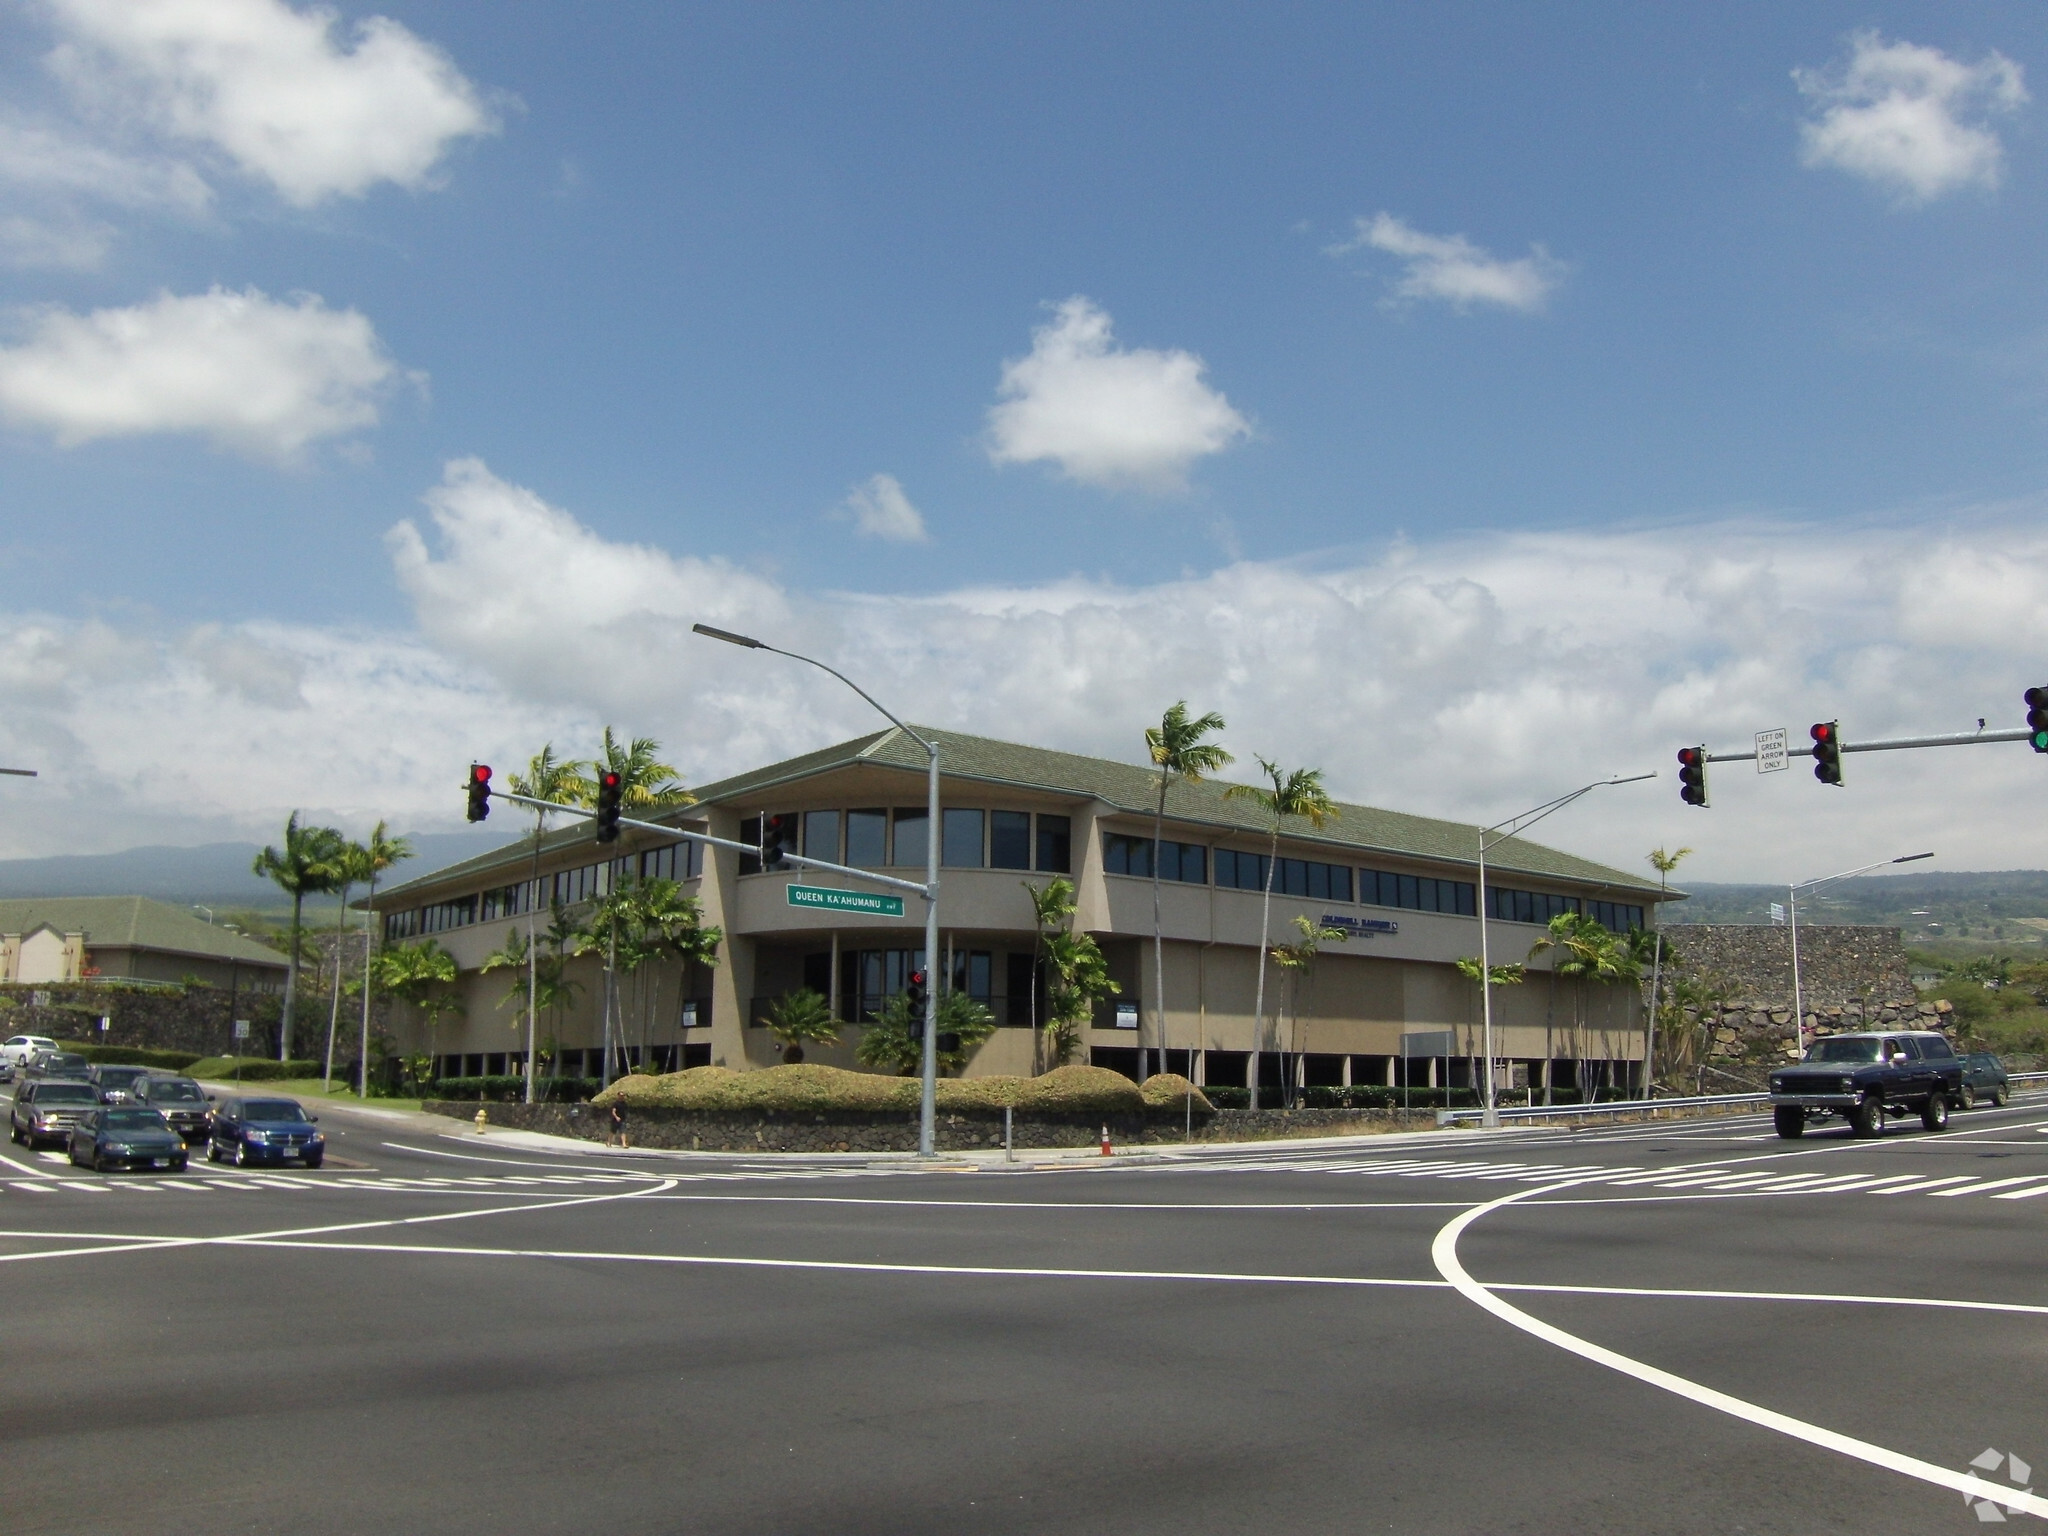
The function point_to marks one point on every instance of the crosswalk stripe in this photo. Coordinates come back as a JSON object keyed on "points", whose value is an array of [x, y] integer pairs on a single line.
{"points": [[2023, 1194], [1978, 1189]]}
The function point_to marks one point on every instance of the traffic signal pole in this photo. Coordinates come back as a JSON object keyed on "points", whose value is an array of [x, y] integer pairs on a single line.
{"points": [[1895, 744]]}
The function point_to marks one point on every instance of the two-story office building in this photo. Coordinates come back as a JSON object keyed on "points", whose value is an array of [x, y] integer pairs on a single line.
{"points": [[1403, 889]]}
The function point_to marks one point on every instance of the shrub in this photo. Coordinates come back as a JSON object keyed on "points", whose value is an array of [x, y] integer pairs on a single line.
{"points": [[252, 1069], [131, 1055], [827, 1090], [1360, 1096], [511, 1089], [1169, 1090]]}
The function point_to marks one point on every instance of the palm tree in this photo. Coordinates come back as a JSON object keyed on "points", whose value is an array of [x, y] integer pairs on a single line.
{"points": [[304, 867], [672, 926], [1301, 794], [1575, 940], [1178, 750], [418, 974], [801, 1018], [644, 780], [382, 852], [1510, 975], [1052, 906], [547, 777], [1080, 976], [1297, 959], [351, 867], [1663, 863]]}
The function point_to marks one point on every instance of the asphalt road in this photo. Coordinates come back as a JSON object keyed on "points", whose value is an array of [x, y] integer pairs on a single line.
{"points": [[1668, 1329]]}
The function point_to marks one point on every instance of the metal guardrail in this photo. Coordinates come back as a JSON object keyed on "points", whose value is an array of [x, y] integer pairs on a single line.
{"points": [[1647, 1106]]}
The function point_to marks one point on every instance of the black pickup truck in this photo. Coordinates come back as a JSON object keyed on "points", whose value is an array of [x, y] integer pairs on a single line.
{"points": [[1863, 1078]]}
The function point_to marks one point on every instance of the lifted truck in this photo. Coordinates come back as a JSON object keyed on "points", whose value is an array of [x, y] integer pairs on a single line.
{"points": [[1865, 1077]]}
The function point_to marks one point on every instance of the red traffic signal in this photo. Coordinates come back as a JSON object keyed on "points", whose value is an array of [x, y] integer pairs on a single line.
{"points": [[1827, 751], [778, 840], [479, 791], [610, 796], [1692, 775], [914, 998]]}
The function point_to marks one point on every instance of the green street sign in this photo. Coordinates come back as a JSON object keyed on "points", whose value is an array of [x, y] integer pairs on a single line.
{"points": [[826, 899]]}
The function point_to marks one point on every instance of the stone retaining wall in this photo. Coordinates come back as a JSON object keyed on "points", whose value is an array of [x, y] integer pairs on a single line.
{"points": [[701, 1131], [198, 1019], [1758, 1032], [1838, 965]]}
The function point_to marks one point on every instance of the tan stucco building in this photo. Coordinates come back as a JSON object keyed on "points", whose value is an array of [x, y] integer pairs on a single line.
{"points": [[1403, 887], [55, 940]]}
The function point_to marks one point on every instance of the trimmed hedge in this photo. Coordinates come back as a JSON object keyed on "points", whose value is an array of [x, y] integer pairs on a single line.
{"points": [[253, 1069], [818, 1090], [1169, 1090], [131, 1055], [510, 1089]]}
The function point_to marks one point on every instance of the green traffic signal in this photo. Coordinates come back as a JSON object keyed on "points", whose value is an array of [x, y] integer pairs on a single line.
{"points": [[2037, 718]]}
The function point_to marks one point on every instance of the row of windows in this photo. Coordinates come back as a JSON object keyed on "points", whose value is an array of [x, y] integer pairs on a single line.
{"points": [[566, 887], [1123, 854], [968, 839]]}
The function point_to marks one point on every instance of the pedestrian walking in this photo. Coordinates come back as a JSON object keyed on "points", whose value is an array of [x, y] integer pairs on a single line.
{"points": [[616, 1136]]}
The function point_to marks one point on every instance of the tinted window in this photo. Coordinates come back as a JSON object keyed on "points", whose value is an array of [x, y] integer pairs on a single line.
{"points": [[272, 1110], [1055, 845], [960, 840], [910, 837], [867, 838], [1009, 840], [133, 1120], [821, 835], [186, 1092], [64, 1093], [1844, 1050], [1936, 1050]]}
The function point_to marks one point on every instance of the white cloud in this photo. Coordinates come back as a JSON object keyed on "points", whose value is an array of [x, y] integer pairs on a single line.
{"points": [[1909, 117], [274, 89], [255, 375], [1107, 415], [880, 510], [1468, 679], [43, 159], [1452, 268]]}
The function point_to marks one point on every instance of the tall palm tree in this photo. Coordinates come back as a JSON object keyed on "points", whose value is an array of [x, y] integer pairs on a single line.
{"points": [[1052, 906], [381, 853], [1663, 863], [1298, 960], [1299, 794], [303, 867], [351, 868], [1178, 751], [547, 777], [420, 974], [644, 779]]}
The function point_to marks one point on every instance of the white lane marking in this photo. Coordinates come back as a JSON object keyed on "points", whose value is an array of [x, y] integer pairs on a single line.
{"points": [[1444, 1250], [1923, 1185], [1978, 1189], [2023, 1194], [36, 1189]]}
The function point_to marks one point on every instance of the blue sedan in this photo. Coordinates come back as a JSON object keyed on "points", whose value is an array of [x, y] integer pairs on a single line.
{"points": [[120, 1137], [264, 1131]]}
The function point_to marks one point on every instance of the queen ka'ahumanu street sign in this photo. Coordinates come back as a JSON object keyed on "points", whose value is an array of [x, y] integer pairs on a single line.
{"points": [[825, 899]]}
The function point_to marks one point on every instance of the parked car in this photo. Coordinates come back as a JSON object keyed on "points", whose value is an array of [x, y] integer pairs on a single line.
{"points": [[179, 1100], [64, 1064], [1865, 1077], [116, 1084], [1984, 1078], [261, 1130], [15, 1053], [126, 1136], [47, 1110]]}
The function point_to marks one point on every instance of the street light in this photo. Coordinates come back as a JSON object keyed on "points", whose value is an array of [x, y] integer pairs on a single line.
{"points": [[1792, 891], [929, 1065], [1514, 826]]}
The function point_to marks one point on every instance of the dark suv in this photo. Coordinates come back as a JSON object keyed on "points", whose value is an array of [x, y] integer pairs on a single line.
{"points": [[116, 1084], [1864, 1078], [46, 1111], [179, 1099], [58, 1064], [1984, 1080]]}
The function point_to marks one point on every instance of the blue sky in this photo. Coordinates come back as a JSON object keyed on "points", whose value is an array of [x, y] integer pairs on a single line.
{"points": [[1509, 326]]}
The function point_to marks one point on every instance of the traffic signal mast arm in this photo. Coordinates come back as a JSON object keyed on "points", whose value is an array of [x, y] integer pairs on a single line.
{"points": [[1960, 739], [715, 842]]}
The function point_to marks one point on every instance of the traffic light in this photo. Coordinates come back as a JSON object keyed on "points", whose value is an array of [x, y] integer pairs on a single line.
{"points": [[609, 797], [913, 997], [1827, 751], [2037, 718], [1692, 775], [778, 838], [479, 791]]}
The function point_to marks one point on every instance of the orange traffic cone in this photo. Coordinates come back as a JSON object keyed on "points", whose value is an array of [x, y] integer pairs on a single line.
{"points": [[1105, 1141]]}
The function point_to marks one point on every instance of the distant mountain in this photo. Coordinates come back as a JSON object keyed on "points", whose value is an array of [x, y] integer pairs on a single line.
{"points": [[211, 875], [2005, 906]]}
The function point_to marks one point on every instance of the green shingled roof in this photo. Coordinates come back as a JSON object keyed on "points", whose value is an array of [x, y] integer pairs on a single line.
{"points": [[133, 922], [1359, 830]]}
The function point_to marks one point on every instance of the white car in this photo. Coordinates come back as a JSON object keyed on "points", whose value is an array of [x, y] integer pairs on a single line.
{"points": [[15, 1053]]}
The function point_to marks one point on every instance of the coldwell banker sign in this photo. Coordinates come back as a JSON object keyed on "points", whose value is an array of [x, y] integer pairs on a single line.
{"points": [[1361, 927], [825, 899]]}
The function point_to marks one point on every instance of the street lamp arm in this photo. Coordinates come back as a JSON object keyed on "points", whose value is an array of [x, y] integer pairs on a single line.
{"points": [[1514, 826], [761, 645], [1863, 870]]}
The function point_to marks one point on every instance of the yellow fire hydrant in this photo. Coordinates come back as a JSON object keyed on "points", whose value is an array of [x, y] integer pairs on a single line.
{"points": [[482, 1119]]}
